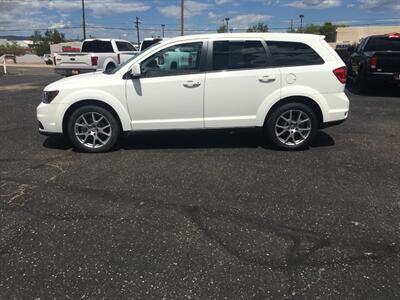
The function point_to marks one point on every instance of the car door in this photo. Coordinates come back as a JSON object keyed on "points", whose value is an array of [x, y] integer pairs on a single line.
{"points": [[169, 93], [237, 82]]}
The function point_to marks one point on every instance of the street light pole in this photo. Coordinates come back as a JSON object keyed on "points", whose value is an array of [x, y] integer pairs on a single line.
{"points": [[137, 22], [182, 17], [83, 20], [301, 22], [227, 24]]}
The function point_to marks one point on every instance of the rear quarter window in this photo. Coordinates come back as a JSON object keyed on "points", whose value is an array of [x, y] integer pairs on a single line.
{"points": [[291, 54]]}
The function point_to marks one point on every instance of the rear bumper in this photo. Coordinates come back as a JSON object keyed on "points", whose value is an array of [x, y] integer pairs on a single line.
{"points": [[382, 77], [336, 108], [68, 71]]}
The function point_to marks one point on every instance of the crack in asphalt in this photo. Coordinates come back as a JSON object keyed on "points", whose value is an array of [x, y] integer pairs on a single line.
{"points": [[304, 248]]}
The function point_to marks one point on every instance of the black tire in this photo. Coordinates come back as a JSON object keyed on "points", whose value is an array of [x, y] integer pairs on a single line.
{"points": [[94, 140], [360, 83], [110, 67], [275, 117]]}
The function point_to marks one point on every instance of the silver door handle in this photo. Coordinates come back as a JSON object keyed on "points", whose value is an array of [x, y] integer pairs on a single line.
{"points": [[191, 84], [267, 78]]}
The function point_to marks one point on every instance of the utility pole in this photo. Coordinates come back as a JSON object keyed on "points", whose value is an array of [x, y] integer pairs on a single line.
{"points": [[291, 25], [301, 22], [83, 20], [137, 22], [227, 24], [182, 17], [163, 30]]}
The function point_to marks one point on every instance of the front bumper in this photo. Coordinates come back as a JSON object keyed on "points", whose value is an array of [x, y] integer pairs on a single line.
{"points": [[50, 118]]}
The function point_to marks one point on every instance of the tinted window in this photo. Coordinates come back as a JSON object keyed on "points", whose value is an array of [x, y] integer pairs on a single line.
{"points": [[147, 43], [97, 46], [285, 54], [174, 60], [124, 46], [230, 55], [383, 44]]}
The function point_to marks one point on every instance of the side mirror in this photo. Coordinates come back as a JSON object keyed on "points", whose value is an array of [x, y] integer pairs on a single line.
{"points": [[135, 71]]}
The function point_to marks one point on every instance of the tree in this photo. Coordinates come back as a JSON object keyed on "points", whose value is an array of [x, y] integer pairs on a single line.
{"points": [[41, 44], [260, 27], [11, 48], [328, 29]]}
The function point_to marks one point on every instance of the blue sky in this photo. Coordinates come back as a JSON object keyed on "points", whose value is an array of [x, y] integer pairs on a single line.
{"points": [[114, 18]]}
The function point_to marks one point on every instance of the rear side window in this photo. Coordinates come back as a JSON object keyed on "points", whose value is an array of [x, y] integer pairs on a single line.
{"points": [[97, 47], [235, 55], [383, 44], [291, 54], [124, 46]]}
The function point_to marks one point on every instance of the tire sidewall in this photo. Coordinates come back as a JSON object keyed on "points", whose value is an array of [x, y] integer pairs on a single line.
{"points": [[115, 127], [269, 126]]}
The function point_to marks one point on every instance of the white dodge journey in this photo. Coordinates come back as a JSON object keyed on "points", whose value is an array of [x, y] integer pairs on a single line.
{"points": [[291, 85]]}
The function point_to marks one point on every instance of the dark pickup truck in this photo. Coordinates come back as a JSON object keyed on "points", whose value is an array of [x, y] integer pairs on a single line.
{"points": [[375, 60]]}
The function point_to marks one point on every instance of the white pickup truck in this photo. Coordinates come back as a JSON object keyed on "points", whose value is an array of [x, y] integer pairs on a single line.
{"points": [[95, 55]]}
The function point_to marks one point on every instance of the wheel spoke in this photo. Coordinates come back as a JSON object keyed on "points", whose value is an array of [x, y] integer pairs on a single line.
{"points": [[282, 127], [302, 121], [282, 132]]}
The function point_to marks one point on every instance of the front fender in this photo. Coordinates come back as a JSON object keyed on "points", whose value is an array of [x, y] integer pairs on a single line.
{"points": [[98, 95], [286, 92]]}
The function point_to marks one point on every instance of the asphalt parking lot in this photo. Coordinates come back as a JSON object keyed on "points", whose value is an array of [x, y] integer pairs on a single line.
{"points": [[199, 215]]}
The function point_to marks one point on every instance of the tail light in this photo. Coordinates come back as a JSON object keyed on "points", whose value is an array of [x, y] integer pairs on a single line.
{"points": [[54, 60], [94, 60], [373, 63], [341, 74], [119, 58], [393, 35]]}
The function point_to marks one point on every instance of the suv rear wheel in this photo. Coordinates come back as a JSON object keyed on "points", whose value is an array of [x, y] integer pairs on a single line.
{"points": [[291, 126], [93, 128]]}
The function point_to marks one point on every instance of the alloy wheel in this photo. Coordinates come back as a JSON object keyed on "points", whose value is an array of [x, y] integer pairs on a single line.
{"points": [[293, 127], [92, 129]]}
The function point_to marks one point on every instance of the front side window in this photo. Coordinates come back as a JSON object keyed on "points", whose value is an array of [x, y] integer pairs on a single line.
{"points": [[236, 55], [291, 54], [175, 60]]}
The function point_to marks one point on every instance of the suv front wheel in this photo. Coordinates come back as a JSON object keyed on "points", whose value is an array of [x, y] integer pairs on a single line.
{"points": [[93, 128], [291, 126]]}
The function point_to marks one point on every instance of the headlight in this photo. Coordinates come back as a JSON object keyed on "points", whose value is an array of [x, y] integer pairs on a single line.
{"points": [[47, 97]]}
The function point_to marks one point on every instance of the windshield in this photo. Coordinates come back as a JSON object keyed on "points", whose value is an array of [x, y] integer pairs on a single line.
{"points": [[383, 44], [130, 59]]}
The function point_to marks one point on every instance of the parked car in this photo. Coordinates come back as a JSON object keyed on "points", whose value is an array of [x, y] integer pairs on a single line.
{"points": [[47, 59], [375, 60], [96, 55], [291, 85]]}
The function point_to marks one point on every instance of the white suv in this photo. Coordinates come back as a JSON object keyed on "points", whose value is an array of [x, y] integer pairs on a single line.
{"points": [[289, 84]]}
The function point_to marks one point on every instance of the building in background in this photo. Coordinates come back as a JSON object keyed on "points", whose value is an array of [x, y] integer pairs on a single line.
{"points": [[352, 35]]}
